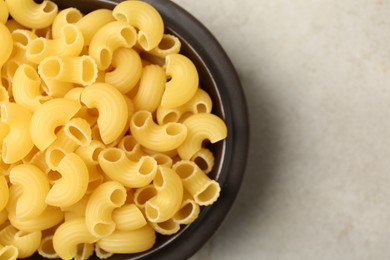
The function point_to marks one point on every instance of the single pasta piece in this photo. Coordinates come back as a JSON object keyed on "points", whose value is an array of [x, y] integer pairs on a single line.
{"points": [[188, 212], [98, 214], [67, 16], [131, 147], [145, 18], [35, 186], [143, 195], [26, 243], [184, 81], [128, 242], [128, 217], [169, 196], [3, 14], [55, 88], [84, 251], [6, 44], [204, 158], [169, 44], [79, 130], [53, 113], [132, 174], [155, 137], [108, 101], [201, 127], [162, 159], [17, 143], [204, 190], [32, 15], [168, 227], [69, 235], [8, 252], [46, 249], [4, 192], [102, 254]]}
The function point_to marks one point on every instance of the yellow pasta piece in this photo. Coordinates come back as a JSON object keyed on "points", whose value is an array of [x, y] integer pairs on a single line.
{"points": [[169, 44], [145, 18], [8, 252], [56, 89], [53, 113], [151, 88], [3, 12], [127, 242], [46, 249], [6, 44], [108, 101], [102, 254], [4, 96], [128, 217], [127, 72], [108, 39], [98, 214], [35, 186], [84, 251], [79, 131], [188, 212], [4, 192], [201, 127], [64, 17], [204, 190], [32, 15], [204, 158], [184, 81], [169, 196], [162, 159], [155, 137], [69, 235], [17, 142], [168, 227], [131, 147], [25, 242], [73, 171], [131, 174], [90, 153]]}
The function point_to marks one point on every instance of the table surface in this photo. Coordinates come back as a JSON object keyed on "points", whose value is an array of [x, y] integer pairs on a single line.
{"points": [[317, 79]]}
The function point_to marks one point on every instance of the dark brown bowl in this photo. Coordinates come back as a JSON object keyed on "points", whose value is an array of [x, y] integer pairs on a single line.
{"points": [[219, 78]]}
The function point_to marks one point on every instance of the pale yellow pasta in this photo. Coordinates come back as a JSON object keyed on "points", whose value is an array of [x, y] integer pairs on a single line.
{"points": [[102, 254], [108, 39], [3, 12], [31, 14], [204, 190], [74, 94], [169, 196], [108, 101], [25, 242], [169, 44], [162, 159], [127, 72], [128, 217], [201, 127], [80, 70], [84, 251], [17, 143], [92, 22], [4, 192], [64, 17], [98, 214], [46, 249], [90, 153], [95, 178], [145, 18], [26, 88], [55, 88], [127, 242], [35, 186], [199, 103], [70, 43], [184, 81], [188, 212], [204, 158], [131, 147], [73, 171], [151, 88], [79, 131], [132, 174], [6, 44], [22, 39], [69, 235], [155, 137], [52, 114], [167, 227], [8, 252]]}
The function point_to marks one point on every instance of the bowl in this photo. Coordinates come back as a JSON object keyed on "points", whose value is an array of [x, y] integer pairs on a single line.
{"points": [[219, 78]]}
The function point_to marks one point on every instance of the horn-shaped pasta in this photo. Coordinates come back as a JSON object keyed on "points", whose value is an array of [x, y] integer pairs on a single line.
{"points": [[108, 101], [184, 81], [35, 186], [127, 72], [26, 88], [70, 43], [73, 171], [128, 217], [169, 196], [98, 214], [128, 242], [69, 235], [169, 44], [145, 18], [6, 44], [32, 15], [8, 252], [56, 89], [4, 192], [168, 227], [188, 212], [108, 39], [92, 22], [79, 131], [64, 17], [46, 119], [204, 190], [17, 142], [46, 248], [25, 242], [201, 127], [118, 167], [151, 88], [3, 12], [155, 137], [143, 195]]}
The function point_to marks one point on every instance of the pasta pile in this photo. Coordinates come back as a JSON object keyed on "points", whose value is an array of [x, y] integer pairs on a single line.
{"points": [[102, 131]]}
